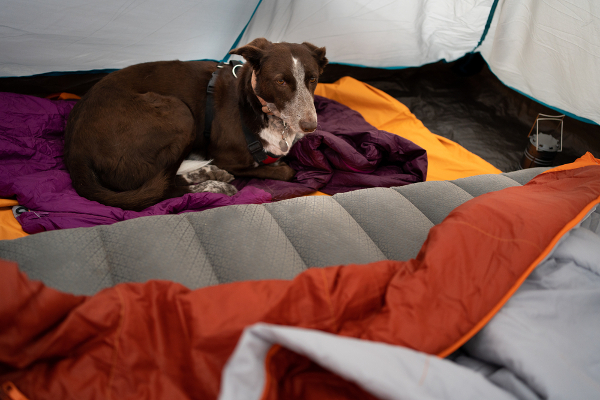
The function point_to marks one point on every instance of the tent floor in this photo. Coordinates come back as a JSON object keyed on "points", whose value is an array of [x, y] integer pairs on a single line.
{"points": [[462, 101]]}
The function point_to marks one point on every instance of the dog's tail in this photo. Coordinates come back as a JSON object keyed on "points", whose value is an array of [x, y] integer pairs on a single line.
{"points": [[88, 185]]}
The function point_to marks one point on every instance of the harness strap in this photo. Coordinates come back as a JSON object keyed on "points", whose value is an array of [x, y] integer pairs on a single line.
{"points": [[210, 102], [254, 146]]}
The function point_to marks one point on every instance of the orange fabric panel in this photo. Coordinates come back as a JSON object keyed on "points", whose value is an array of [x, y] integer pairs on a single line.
{"points": [[292, 376], [9, 226], [583, 161], [505, 231], [10, 392], [447, 160], [63, 96], [160, 340], [317, 193]]}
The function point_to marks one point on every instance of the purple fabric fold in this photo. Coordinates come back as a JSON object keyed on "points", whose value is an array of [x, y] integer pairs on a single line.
{"points": [[346, 153]]}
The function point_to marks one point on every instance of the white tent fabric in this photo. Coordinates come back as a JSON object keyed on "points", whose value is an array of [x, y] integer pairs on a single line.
{"points": [[38, 36], [548, 50], [379, 33]]}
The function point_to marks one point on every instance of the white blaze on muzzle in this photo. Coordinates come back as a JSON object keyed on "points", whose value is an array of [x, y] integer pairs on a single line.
{"points": [[300, 111]]}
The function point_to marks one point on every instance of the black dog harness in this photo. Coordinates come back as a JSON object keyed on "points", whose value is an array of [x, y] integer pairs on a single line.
{"points": [[254, 146]]}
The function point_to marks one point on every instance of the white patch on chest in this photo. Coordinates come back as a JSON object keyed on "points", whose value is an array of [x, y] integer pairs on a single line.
{"points": [[273, 134]]}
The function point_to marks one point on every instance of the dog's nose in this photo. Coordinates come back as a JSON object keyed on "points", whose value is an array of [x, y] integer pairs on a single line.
{"points": [[308, 126]]}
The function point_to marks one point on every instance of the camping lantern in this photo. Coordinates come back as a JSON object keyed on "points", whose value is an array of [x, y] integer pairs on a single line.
{"points": [[547, 141]]}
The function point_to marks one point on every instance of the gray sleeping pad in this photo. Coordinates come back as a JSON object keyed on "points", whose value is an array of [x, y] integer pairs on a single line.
{"points": [[245, 242]]}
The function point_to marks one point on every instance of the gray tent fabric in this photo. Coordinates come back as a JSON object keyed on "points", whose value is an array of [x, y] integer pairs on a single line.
{"points": [[249, 242]]}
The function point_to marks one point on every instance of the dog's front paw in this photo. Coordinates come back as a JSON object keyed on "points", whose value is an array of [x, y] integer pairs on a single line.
{"points": [[286, 172], [207, 173], [213, 186], [217, 174]]}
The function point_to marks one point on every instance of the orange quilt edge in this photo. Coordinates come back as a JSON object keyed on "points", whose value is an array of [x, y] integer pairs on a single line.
{"points": [[570, 225]]}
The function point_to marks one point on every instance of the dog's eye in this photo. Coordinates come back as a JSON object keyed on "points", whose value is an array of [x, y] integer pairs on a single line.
{"points": [[280, 82], [313, 80]]}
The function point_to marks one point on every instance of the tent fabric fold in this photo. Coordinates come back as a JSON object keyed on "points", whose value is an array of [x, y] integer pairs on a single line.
{"points": [[159, 339]]}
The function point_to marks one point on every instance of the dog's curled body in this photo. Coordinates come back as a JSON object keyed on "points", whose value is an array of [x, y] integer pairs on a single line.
{"points": [[126, 138]]}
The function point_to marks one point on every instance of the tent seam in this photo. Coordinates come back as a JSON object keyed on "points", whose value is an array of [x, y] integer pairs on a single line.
{"points": [[186, 217], [282, 230], [109, 266], [488, 24]]}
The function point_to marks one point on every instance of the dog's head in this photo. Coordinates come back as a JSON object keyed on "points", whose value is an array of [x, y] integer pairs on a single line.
{"points": [[285, 76]]}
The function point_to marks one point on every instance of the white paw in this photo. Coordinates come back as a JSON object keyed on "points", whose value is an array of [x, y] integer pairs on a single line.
{"points": [[214, 187], [207, 173]]}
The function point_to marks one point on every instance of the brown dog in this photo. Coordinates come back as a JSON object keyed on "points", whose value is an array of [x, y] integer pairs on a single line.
{"points": [[126, 139]]}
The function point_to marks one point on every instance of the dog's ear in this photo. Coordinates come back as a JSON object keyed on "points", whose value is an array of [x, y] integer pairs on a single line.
{"points": [[253, 52], [319, 54]]}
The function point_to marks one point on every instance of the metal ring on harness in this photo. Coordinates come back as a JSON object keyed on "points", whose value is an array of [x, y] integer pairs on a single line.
{"points": [[233, 70], [254, 146]]}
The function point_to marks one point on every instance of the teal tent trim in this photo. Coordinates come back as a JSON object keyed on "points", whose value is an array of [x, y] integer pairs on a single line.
{"points": [[82, 72], [485, 32], [237, 41], [487, 24], [59, 73], [568, 114], [366, 66]]}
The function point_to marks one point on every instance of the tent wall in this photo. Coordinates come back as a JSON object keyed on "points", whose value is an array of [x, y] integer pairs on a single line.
{"points": [[38, 36], [548, 50], [68, 35], [378, 33]]}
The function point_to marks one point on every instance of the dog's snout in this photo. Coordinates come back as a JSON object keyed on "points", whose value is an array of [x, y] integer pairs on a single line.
{"points": [[308, 125]]}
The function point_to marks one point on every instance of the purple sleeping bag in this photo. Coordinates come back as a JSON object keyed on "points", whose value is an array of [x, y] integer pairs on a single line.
{"points": [[345, 153]]}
